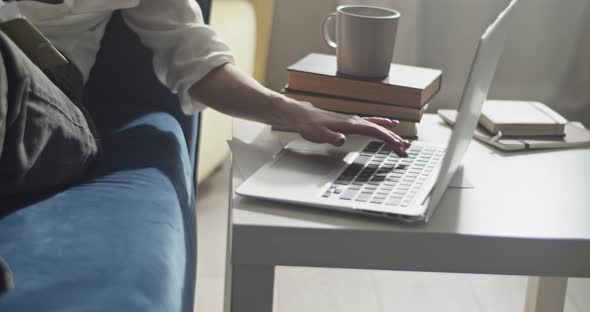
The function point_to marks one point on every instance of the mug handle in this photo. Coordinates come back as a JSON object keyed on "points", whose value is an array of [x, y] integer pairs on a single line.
{"points": [[326, 33]]}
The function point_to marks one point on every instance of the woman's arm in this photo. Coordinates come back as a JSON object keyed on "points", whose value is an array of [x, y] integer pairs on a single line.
{"points": [[232, 92]]}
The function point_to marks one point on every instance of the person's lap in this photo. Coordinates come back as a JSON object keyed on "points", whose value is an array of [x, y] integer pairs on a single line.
{"points": [[45, 140]]}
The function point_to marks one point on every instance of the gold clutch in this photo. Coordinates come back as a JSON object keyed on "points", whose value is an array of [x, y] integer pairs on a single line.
{"points": [[33, 43]]}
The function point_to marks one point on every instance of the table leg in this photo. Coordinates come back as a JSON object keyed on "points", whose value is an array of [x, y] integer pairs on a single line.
{"points": [[545, 294], [252, 288]]}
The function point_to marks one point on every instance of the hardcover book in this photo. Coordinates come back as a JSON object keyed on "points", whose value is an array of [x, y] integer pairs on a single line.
{"points": [[357, 107], [406, 86]]}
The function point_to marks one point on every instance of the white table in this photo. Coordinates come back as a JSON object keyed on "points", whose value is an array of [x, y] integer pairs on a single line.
{"points": [[529, 214]]}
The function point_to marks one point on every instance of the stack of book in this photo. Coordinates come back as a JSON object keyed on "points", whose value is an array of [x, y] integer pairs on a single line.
{"points": [[402, 95]]}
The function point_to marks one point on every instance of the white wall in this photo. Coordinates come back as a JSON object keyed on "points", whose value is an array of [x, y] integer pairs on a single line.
{"points": [[546, 56]]}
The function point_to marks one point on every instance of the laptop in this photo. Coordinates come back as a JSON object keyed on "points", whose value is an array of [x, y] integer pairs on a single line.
{"points": [[364, 176]]}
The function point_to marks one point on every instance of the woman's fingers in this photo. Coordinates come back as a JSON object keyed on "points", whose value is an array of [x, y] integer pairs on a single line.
{"points": [[330, 127], [323, 135], [388, 123], [383, 122], [369, 129]]}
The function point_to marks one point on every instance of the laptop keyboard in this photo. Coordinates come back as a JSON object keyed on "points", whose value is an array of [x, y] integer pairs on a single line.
{"points": [[377, 175]]}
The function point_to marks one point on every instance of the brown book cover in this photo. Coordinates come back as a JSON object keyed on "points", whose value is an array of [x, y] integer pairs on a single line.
{"points": [[406, 86], [357, 107]]}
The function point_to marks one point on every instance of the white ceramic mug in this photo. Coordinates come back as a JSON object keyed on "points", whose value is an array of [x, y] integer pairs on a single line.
{"points": [[365, 38]]}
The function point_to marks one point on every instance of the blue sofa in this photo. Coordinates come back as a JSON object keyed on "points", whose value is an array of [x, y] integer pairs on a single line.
{"points": [[124, 238]]}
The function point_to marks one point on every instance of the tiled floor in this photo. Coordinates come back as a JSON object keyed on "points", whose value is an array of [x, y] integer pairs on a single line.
{"points": [[335, 290]]}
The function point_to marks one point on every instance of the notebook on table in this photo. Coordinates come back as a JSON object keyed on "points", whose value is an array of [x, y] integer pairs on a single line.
{"points": [[575, 135], [365, 176], [521, 118]]}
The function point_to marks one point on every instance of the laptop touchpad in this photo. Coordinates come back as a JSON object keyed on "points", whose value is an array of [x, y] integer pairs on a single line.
{"points": [[299, 164]]}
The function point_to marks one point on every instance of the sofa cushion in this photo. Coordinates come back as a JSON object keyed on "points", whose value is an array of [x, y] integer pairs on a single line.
{"points": [[115, 242]]}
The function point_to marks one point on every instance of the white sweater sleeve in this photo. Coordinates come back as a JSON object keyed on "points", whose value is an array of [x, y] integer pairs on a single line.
{"points": [[185, 48]]}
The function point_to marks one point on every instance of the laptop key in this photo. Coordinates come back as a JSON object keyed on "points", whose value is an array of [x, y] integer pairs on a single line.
{"points": [[349, 194], [361, 159], [377, 200], [393, 202], [371, 149], [363, 197], [342, 182]]}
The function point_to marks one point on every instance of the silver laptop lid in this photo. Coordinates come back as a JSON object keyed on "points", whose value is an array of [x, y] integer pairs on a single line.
{"points": [[475, 93]]}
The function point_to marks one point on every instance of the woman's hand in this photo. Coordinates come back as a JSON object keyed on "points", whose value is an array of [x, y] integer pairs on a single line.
{"points": [[232, 92], [322, 126]]}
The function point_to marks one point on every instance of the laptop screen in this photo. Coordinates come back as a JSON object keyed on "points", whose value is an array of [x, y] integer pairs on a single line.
{"points": [[476, 90]]}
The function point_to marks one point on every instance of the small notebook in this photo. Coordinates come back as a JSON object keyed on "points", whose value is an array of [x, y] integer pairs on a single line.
{"points": [[521, 118], [576, 135]]}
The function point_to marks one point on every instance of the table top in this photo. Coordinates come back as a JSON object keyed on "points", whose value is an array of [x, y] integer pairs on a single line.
{"points": [[528, 213]]}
